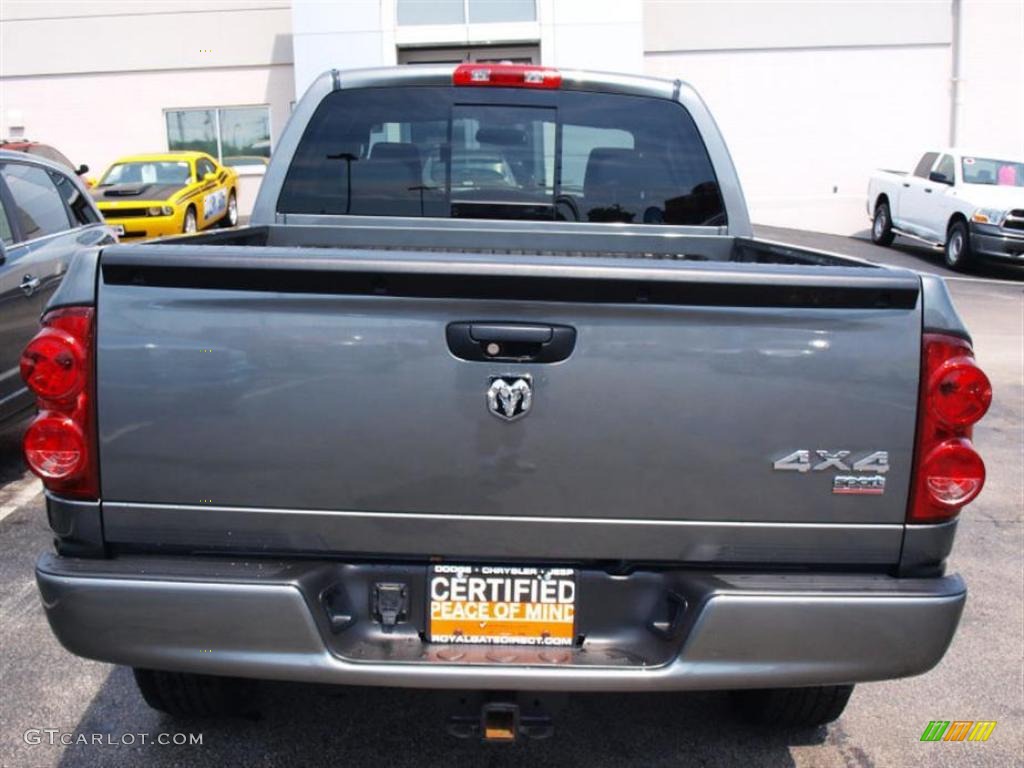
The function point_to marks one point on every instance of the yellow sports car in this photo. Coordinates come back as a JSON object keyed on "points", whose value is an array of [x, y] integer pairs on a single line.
{"points": [[145, 196]]}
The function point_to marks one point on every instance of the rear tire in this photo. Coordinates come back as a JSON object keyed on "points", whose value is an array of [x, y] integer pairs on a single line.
{"points": [[190, 224], [792, 707], [230, 218], [881, 226], [187, 695], [958, 246]]}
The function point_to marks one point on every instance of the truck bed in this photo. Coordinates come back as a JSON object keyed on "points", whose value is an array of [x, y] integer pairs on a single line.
{"points": [[516, 239]]}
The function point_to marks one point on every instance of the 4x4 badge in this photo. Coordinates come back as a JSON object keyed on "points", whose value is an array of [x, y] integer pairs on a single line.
{"points": [[840, 461], [509, 398]]}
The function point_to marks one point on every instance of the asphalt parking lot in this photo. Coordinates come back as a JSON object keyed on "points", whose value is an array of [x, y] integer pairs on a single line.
{"points": [[981, 678]]}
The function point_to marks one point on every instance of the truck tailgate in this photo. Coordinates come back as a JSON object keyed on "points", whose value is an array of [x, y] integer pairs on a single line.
{"points": [[263, 401]]}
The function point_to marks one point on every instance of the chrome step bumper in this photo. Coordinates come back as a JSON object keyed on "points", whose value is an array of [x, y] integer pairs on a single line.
{"points": [[271, 619]]}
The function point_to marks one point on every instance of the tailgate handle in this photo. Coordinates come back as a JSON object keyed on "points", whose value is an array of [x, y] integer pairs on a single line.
{"points": [[511, 342], [527, 334]]}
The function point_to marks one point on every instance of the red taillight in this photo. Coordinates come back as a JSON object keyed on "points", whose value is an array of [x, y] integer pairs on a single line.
{"points": [[55, 446], [57, 365], [959, 392], [953, 473], [507, 76], [955, 394], [53, 365]]}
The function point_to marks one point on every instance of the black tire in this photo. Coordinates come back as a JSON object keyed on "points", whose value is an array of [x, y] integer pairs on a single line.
{"points": [[881, 225], [957, 250], [186, 695], [792, 707]]}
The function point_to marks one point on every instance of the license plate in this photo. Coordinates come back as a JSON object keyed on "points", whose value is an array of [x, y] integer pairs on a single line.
{"points": [[501, 605]]}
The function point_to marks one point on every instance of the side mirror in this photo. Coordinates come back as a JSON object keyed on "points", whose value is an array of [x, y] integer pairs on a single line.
{"points": [[82, 170], [209, 176], [940, 178]]}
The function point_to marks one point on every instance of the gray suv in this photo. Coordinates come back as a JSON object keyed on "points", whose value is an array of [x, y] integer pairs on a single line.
{"points": [[46, 215]]}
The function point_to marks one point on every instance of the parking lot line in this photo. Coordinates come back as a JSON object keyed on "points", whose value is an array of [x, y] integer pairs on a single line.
{"points": [[992, 281], [22, 492]]}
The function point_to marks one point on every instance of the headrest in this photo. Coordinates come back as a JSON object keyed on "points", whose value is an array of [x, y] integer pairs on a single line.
{"points": [[610, 164]]}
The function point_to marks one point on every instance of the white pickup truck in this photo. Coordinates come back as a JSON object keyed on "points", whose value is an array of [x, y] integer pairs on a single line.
{"points": [[971, 205]]}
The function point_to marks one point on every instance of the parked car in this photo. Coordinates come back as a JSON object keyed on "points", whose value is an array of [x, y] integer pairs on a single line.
{"points": [[46, 152], [468, 169], [502, 437], [46, 217], [167, 193], [969, 204]]}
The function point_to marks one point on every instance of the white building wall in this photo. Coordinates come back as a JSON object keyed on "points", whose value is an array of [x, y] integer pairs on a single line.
{"points": [[94, 79], [811, 97], [992, 86], [45, 37], [592, 34], [602, 35], [348, 35]]}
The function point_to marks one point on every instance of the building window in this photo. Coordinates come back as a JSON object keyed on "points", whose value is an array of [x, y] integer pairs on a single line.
{"points": [[193, 129], [489, 11], [234, 135], [431, 12], [517, 54], [461, 11]]}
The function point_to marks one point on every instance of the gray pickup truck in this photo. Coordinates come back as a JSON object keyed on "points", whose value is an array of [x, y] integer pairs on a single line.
{"points": [[498, 393]]}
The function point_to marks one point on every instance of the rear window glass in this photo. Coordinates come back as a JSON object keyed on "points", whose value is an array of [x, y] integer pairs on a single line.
{"points": [[80, 207], [5, 226], [503, 154], [924, 165], [38, 205]]}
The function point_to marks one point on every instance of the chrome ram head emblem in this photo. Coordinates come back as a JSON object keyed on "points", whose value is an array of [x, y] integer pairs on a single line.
{"points": [[509, 398]]}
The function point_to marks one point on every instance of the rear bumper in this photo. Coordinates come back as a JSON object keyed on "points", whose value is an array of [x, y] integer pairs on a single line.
{"points": [[997, 243], [651, 630]]}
